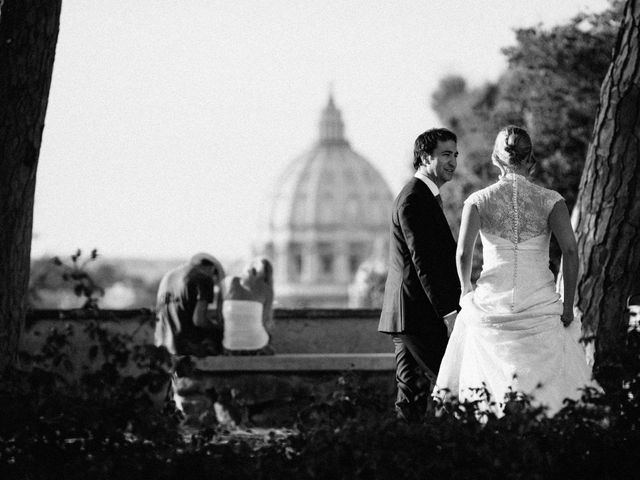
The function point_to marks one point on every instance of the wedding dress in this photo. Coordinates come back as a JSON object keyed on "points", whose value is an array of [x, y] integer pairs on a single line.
{"points": [[508, 335]]}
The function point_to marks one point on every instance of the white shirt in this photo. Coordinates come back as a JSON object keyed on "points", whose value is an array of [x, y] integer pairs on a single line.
{"points": [[428, 182]]}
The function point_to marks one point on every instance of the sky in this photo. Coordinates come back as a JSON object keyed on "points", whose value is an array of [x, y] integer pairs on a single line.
{"points": [[169, 122]]}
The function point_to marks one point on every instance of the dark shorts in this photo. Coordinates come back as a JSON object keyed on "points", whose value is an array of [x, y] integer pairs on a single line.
{"points": [[200, 343]]}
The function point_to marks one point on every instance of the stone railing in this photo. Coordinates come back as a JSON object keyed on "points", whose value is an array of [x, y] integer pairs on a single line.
{"points": [[296, 330], [313, 349]]}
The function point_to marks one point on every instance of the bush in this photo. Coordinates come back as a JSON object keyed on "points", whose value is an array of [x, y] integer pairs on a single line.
{"points": [[106, 428]]}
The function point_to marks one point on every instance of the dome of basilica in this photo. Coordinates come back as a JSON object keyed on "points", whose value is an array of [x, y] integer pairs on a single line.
{"points": [[323, 216], [330, 186]]}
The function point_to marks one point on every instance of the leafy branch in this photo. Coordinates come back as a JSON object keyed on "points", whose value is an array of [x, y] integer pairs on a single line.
{"points": [[81, 281]]}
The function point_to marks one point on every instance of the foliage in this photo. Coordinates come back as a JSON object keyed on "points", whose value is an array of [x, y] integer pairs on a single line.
{"points": [[106, 428], [551, 86], [367, 289], [555, 81], [116, 374], [81, 282], [50, 281]]}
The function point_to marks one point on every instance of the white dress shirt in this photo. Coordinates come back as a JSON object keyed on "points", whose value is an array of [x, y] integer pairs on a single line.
{"points": [[430, 183]]}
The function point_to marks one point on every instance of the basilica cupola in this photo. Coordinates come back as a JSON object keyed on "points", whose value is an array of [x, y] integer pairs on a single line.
{"points": [[331, 124], [321, 218]]}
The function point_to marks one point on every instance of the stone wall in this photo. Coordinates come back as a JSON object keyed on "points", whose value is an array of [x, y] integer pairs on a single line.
{"points": [[329, 331], [315, 349], [296, 330]]}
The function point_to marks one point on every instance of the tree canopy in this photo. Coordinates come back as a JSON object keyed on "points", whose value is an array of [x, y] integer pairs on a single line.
{"points": [[551, 87]]}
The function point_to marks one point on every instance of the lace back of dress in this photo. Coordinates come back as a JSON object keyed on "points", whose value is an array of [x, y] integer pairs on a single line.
{"points": [[515, 209], [515, 231], [514, 213], [514, 220]]}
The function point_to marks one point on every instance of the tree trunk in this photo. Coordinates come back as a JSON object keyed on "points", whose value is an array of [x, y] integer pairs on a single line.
{"points": [[28, 36], [607, 212]]}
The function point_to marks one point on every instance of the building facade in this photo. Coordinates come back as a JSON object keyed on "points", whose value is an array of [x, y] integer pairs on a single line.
{"points": [[325, 214]]}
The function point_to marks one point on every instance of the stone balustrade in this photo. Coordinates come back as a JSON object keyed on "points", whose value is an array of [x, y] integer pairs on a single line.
{"points": [[296, 330], [314, 350]]}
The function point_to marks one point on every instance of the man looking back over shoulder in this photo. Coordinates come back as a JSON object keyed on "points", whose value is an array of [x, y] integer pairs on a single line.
{"points": [[422, 288]]}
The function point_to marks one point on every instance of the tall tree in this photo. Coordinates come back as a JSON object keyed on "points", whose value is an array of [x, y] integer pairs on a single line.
{"points": [[607, 213], [28, 37]]}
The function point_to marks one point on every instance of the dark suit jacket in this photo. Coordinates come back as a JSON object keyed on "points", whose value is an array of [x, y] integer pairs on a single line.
{"points": [[422, 283]]}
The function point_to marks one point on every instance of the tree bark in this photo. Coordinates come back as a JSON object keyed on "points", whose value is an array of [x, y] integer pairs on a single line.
{"points": [[28, 37], [607, 211]]}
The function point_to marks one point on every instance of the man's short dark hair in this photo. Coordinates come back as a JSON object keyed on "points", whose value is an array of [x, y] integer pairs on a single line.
{"points": [[428, 141]]}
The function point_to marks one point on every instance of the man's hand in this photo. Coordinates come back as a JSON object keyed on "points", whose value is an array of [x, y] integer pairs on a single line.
{"points": [[567, 317], [450, 321]]}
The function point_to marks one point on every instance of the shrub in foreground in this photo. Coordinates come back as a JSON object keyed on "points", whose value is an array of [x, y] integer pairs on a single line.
{"points": [[49, 432]]}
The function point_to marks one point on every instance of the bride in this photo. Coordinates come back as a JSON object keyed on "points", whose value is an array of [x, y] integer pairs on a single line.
{"points": [[514, 332]]}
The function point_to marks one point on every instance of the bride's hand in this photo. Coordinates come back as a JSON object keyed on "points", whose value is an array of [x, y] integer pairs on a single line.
{"points": [[567, 317], [465, 290]]}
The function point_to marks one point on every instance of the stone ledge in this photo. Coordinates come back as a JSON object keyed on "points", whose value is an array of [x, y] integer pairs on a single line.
{"points": [[148, 314], [298, 362]]}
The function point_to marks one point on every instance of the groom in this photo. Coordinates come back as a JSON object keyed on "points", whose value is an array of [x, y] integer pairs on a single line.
{"points": [[422, 289]]}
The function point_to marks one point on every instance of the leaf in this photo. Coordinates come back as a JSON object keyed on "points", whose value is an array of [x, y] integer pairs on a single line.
{"points": [[67, 365], [93, 352]]}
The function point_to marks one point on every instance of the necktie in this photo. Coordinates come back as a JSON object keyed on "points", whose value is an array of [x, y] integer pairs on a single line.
{"points": [[439, 200]]}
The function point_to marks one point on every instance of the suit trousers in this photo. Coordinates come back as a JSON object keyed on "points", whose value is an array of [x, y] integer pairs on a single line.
{"points": [[415, 353]]}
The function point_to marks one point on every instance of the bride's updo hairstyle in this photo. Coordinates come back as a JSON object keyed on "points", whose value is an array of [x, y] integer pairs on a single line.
{"points": [[513, 147]]}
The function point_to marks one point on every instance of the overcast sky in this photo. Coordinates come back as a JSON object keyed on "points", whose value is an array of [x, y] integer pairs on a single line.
{"points": [[168, 121]]}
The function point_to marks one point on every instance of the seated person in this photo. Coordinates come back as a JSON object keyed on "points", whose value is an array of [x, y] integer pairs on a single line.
{"points": [[184, 294], [247, 310]]}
